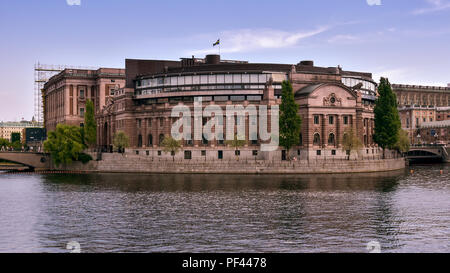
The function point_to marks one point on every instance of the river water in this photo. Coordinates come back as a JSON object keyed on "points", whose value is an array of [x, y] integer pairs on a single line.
{"points": [[401, 211]]}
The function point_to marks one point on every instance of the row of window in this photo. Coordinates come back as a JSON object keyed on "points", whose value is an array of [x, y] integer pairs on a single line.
{"points": [[237, 78], [330, 119], [154, 91], [204, 99], [186, 142]]}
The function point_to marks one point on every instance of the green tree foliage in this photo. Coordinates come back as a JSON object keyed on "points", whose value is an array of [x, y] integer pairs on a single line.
{"points": [[90, 126], [120, 141], [403, 143], [17, 146], [171, 145], [64, 144], [387, 119], [350, 142], [290, 121], [15, 137], [236, 143], [4, 143]]}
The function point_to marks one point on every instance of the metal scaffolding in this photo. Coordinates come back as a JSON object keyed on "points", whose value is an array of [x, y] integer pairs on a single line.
{"points": [[42, 73]]}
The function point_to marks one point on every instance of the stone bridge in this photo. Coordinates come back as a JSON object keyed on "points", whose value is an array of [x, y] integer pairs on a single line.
{"points": [[36, 161], [432, 152]]}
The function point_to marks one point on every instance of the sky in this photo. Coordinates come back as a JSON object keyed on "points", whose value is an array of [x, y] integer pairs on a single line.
{"points": [[407, 41]]}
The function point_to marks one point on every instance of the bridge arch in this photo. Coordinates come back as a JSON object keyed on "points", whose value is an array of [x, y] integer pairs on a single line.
{"points": [[39, 161]]}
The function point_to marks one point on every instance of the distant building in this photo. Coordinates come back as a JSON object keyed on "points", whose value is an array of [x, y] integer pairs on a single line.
{"points": [[7, 128], [420, 105], [65, 94], [436, 132], [34, 136]]}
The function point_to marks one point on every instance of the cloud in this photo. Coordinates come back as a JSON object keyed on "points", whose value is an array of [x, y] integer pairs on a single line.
{"points": [[73, 2], [434, 6], [254, 39], [374, 2], [343, 39]]}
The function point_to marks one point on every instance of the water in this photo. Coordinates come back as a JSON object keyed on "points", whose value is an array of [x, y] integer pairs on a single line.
{"points": [[227, 213]]}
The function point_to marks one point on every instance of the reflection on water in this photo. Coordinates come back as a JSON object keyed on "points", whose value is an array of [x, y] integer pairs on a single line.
{"points": [[226, 213]]}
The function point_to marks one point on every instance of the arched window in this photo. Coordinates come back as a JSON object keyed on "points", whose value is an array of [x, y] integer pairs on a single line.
{"points": [[300, 140], [150, 140], [316, 140], [140, 141], [331, 140], [161, 138]]}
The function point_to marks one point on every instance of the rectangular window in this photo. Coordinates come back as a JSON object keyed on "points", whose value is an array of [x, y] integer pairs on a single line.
{"points": [[237, 153], [203, 153], [237, 78], [254, 98], [220, 78], [331, 119], [262, 78], [316, 119], [254, 78], [228, 78], [195, 79], [81, 112], [237, 98], [187, 155], [220, 98], [333, 152], [161, 122], [345, 120], [255, 152], [159, 153], [204, 79], [188, 80], [82, 94], [211, 79], [220, 154], [318, 152]]}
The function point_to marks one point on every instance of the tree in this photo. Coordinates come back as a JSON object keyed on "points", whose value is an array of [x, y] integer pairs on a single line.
{"points": [[403, 143], [171, 145], [120, 141], [290, 121], [4, 143], [15, 137], [387, 119], [350, 142], [236, 143], [90, 126], [64, 144]]}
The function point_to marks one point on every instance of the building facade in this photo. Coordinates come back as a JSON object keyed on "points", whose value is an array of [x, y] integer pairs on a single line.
{"points": [[65, 94], [7, 128], [331, 102], [421, 105]]}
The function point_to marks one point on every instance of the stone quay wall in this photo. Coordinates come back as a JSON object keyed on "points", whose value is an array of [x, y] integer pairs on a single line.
{"points": [[127, 163]]}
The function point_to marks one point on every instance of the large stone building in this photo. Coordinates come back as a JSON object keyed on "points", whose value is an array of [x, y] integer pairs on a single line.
{"points": [[65, 94], [421, 105], [331, 102]]}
